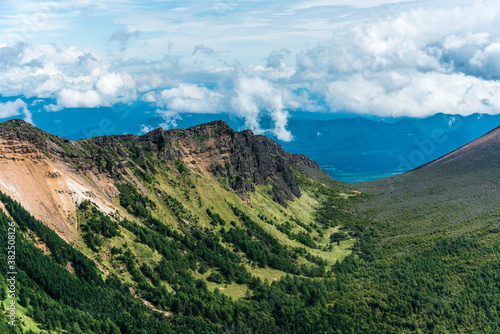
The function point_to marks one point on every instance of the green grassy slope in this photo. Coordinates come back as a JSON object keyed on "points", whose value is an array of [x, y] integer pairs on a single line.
{"points": [[431, 263], [184, 270]]}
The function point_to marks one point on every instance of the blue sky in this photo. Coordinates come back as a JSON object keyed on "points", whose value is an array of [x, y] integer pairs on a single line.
{"points": [[252, 59]]}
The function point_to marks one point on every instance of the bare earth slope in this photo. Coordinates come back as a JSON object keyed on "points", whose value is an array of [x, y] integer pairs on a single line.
{"points": [[46, 187]]}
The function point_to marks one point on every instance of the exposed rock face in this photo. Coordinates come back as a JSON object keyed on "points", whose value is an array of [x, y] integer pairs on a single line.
{"points": [[241, 160], [19, 131], [34, 171]]}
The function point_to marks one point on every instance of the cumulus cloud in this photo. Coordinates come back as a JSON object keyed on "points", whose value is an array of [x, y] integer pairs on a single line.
{"points": [[187, 98], [170, 118], [71, 98], [254, 95], [104, 90], [415, 63], [275, 59], [454, 42], [145, 129], [487, 61], [72, 76], [116, 87], [15, 108], [424, 95]]}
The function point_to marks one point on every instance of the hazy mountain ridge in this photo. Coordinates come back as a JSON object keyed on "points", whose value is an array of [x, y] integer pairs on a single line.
{"points": [[484, 149], [358, 149]]}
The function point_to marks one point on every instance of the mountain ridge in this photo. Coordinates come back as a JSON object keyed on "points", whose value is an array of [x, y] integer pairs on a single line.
{"points": [[257, 167], [64, 172], [489, 141], [332, 143]]}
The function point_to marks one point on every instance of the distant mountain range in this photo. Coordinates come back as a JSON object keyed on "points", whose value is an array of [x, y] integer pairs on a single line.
{"points": [[357, 149], [349, 149]]}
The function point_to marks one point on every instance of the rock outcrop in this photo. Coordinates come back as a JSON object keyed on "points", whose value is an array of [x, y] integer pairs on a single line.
{"points": [[241, 160]]}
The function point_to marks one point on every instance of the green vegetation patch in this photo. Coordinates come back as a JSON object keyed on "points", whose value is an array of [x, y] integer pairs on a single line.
{"points": [[135, 203], [95, 225]]}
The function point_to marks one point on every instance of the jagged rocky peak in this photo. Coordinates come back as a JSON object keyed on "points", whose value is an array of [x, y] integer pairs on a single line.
{"points": [[24, 132], [19, 129], [242, 159], [214, 128], [155, 136]]}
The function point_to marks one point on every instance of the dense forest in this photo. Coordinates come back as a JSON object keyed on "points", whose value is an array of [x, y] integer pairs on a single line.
{"points": [[448, 284]]}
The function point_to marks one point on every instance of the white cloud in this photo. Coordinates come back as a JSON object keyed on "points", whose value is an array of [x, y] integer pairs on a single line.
{"points": [[488, 61], [188, 98], [451, 121], [424, 95], [169, 118], [454, 42], [70, 98], [415, 63], [145, 129], [15, 108], [116, 87], [275, 59], [75, 77], [404, 59], [254, 95]]}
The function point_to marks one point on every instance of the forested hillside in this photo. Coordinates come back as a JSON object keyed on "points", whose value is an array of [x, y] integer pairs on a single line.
{"points": [[189, 230], [169, 280]]}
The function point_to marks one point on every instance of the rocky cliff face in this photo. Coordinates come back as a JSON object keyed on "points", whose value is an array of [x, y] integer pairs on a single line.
{"points": [[241, 160], [19, 131]]}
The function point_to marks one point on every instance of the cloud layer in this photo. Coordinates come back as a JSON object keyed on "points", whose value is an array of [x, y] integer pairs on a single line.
{"points": [[15, 108], [405, 59]]}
